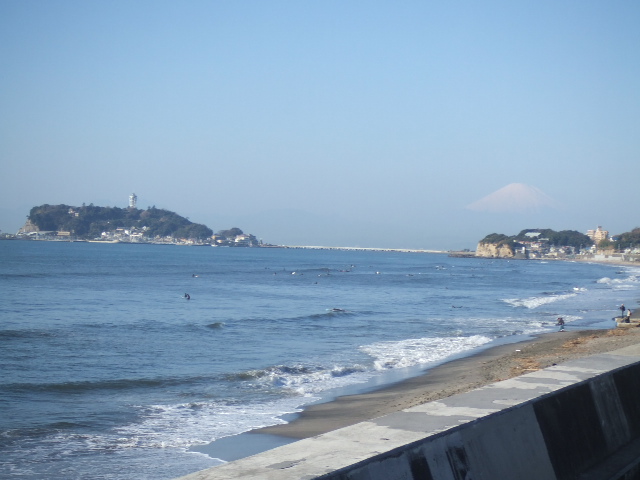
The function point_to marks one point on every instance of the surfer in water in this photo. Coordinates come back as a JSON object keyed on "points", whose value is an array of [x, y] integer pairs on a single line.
{"points": [[187, 296]]}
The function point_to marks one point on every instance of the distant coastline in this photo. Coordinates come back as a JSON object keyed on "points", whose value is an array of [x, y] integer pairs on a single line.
{"points": [[365, 249], [624, 259], [264, 245]]}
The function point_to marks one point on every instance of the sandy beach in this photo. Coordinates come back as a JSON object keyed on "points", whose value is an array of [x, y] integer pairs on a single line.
{"points": [[482, 367], [458, 376]]}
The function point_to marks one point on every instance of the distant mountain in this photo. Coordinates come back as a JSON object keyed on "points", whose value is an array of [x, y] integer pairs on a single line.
{"points": [[514, 198], [89, 222]]}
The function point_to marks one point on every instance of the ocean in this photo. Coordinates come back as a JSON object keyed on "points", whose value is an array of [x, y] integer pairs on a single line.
{"points": [[110, 372]]}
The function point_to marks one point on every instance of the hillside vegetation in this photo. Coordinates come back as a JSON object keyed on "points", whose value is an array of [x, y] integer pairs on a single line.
{"points": [[90, 221], [564, 238]]}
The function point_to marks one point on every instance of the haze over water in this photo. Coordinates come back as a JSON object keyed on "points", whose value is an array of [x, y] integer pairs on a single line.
{"points": [[372, 124]]}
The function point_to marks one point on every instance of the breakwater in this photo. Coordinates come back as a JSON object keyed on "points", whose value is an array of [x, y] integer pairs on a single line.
{"points": [[578, 420]]}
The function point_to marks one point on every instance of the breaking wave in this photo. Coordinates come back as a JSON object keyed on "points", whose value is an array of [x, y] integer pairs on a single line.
{"points": [[418, 351], [535, 302]]}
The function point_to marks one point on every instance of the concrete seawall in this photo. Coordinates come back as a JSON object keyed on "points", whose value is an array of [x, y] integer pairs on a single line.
{"points": [[578, 420]]}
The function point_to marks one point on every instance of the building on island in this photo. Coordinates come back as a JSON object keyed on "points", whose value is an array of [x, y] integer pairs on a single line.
{"points": [[133, 199]]}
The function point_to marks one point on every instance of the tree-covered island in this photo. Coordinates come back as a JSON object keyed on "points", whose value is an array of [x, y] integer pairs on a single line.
{"points": [[153, 225]]}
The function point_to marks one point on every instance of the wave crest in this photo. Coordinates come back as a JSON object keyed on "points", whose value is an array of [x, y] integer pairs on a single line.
{"points": [[419, 351], [535, 302]]}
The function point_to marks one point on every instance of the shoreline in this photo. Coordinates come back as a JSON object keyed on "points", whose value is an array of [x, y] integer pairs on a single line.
{"points": [[456, 376], [607, 259]]}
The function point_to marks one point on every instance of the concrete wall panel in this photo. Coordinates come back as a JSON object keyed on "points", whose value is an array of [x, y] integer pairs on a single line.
{"points": [[445, 456], [508, 445], [571, 429], [627, 381], [610, 412]]}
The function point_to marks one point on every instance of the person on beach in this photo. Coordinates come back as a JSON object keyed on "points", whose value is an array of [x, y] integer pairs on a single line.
{"points": [[560, 323], [622, 309]]}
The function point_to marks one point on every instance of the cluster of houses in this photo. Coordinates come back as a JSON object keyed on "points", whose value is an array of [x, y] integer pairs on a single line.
{"points": [[130, 235], [540, 250], [139, 235], [536, 248], [242, 240]]}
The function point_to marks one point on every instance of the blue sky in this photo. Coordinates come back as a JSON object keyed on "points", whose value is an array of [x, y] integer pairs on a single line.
{"points": [[324, 123]]}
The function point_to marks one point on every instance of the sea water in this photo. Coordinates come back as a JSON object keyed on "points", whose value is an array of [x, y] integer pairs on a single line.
{"points": [[110, 372]]}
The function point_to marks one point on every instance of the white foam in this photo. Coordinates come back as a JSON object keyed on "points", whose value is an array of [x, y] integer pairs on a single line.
{"points": [[628, 282], [314, 382], [417, 351], [188, 424], [535, 302]]}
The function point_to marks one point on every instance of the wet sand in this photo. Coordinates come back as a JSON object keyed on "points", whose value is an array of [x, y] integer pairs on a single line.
{"points": [[457, 376]]}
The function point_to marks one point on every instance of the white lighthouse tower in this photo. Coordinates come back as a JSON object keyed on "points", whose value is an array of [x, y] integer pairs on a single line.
{"points": [[132, 200]]}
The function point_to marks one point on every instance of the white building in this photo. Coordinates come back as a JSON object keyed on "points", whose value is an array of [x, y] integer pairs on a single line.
{"points": [[598, 235]]}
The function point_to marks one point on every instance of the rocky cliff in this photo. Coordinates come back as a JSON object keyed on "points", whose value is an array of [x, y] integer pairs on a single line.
{"points": [[28, 227], [494, 250]]}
